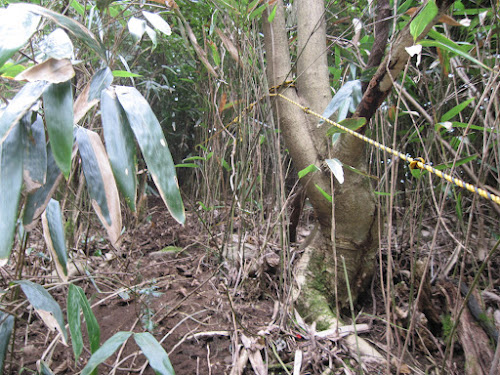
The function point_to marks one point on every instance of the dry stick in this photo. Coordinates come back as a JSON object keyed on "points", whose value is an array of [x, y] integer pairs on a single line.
{"points": [[467, 169], [186, 297], [419, 292], [143, 368], [117, 363], [389, 225], [440, 221], [402, 90], [496, 361], [184, 338], [426, 265], [467, 296], [431, 121], [468, 236]]}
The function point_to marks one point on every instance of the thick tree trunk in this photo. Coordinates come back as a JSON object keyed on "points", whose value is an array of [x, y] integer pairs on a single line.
{"points": [[354, 233], [347, 231]]}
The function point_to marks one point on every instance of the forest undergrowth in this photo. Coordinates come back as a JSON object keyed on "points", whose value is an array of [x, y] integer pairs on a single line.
{"points": [[217, 293]]}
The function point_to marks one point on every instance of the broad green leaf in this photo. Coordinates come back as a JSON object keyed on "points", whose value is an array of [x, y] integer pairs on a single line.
{"points": [[348, 95], [80, 9], [53, 232], [251, 7], [19, 105], [57, 45], [42, 368], [171, 249], [35, 154], [423, 18], [58, 106], [16, 27], [154, 352], [458, 163], [38, 200], [456, 110], [95, 180], [124, 74], [258, 12], [78, 301], [215, 52], [154, 148], [226, 165], [213, 21], [471, 126], [120, 145], [272, 14], [100, 182], [352, 123], [335, 166], [136, 28], [158, 22], [100, 81], [10, 70], [187, 165], [75, 28], [338, 57], [6, 326], [324, 193], [194, 158], [417, 173], [93, 330], [443, 42], [304, 172], [45, 306], [335, 138], [152, 35], [404, 6], [91, 94], [458, 205], [74, 323], [11, 180], [105, 351]]}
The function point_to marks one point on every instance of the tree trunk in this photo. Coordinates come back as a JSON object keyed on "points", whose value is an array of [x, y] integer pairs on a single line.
{"points": [[322, 274], [348, 231]]}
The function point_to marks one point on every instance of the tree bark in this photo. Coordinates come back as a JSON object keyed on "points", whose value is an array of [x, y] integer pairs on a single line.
{"points": [[352, 221], [354, 201], [291, 119]]}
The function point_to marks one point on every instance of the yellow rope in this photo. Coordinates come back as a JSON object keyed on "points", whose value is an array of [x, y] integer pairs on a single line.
{"points": [[414, 162]]}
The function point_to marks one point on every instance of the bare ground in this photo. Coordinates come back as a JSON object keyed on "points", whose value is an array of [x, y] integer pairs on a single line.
{"points": [[170, 281]]}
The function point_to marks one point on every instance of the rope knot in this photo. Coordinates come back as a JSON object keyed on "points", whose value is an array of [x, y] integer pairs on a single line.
{"points": [[414, 163]]}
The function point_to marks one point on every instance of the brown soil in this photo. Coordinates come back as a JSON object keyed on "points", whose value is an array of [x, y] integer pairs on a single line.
{"points": [[174, 294], [201, 309]]}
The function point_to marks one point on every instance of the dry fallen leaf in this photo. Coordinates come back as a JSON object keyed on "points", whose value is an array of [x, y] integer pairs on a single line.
{"points": [[51, 70]]}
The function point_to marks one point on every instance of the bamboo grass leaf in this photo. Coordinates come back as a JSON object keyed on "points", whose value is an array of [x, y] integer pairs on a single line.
{"points": [[105, 351], [158, 358], [154, 148], [11, 180], [58, 106], [45, 306], [100, 182], [53, 232], [119, 145]]}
